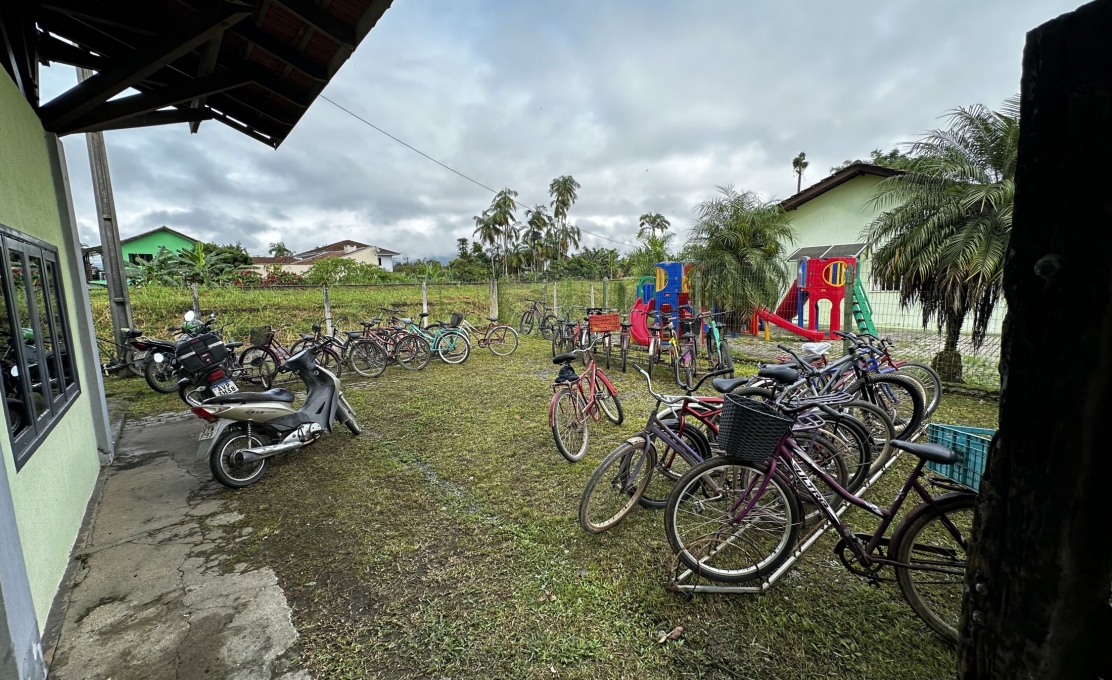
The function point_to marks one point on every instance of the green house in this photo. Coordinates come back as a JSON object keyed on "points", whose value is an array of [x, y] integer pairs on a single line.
{"points": [[145, 245]]}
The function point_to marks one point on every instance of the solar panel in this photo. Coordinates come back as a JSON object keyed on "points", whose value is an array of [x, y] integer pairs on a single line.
{"points": [[846, 250], [809, 252]]}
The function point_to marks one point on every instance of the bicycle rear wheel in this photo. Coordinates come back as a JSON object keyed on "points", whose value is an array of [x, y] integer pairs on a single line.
{"points": [[898, 396], [616, 485], [569, 428], [412, 352], [548, 326], [936, 539], [259, 365], [712, 534], [452, 346], [609, 403], [928, 379], [671, 465]]}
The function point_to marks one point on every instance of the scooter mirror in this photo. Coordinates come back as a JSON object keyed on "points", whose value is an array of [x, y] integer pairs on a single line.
{"points": [[189, 316]]}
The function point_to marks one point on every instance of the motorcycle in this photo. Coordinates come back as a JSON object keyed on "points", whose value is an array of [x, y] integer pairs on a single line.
{"points": [[246, 429], [200, 365]]}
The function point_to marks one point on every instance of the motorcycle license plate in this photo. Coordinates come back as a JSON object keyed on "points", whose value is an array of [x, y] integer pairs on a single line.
{"points": [[207, 433], [223, 388]]}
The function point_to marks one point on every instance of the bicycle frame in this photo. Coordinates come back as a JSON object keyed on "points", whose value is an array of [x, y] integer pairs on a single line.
{"points": [[591, 376]]}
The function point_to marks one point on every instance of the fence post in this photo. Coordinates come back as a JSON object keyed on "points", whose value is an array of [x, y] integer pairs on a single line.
{"points": [[848, 322], [494, 298], [555, 309], [606, 292], [327, 313], [592, 295], [424, 301], [196, 300]]}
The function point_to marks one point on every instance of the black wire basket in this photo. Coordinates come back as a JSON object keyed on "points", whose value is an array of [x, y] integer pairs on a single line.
{"points": [[751, 429]]}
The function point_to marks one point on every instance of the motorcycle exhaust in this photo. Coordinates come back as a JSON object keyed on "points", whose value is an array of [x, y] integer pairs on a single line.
{"points": [[258, 453]]}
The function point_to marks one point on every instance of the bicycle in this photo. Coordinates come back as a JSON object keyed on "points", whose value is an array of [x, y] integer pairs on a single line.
{"points": [[682, 347], [883, 362], [537, 313], [368, 359], [736, 518], [449, 343], [578, 399], [266, 352], [718, 349], [410, 351], [499, 338]]}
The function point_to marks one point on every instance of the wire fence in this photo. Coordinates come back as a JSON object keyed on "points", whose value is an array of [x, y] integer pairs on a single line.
{"points": [[296, 308]]}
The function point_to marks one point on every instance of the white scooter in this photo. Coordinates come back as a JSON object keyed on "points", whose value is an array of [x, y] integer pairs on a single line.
{"points": [[248, 428]]}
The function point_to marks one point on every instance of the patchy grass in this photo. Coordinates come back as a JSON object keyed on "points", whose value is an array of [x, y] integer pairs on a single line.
{"points": [[443, 543]]}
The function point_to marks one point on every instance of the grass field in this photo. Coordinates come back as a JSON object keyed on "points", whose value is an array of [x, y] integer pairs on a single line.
{"points": [[443, 543]]}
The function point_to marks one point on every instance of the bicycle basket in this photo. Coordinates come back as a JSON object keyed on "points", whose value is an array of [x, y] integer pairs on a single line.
{"points": [[261, 335], [751, 429], [604, 323], [455, 320]]}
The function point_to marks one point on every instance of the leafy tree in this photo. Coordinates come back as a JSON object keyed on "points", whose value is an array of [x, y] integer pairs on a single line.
{"points": [[279, 249], [650, 223], [235, 256], [945, 232], [498, 223], [652, 249], [799, 164], [739, 243], [895, 159], [487, 231], [341, 270], [564, 194], [158, 271]]}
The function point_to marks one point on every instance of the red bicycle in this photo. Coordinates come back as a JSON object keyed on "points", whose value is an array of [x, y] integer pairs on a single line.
{"points": [[577, 400]]}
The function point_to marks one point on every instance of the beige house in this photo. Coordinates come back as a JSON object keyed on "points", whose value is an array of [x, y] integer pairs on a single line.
{"points": [[352, 250]]}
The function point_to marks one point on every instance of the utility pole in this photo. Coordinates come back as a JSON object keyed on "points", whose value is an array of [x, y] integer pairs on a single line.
{"points": [[119, 303]]}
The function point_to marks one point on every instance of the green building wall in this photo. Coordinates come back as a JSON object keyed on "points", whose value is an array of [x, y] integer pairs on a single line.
{"points": [[148, 244], [50, 493]]}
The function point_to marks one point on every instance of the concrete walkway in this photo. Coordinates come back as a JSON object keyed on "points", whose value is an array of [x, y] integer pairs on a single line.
{"points": [[151, 593]]}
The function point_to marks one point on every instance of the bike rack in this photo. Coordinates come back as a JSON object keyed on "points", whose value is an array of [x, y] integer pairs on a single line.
{"points": [[678, 585]]}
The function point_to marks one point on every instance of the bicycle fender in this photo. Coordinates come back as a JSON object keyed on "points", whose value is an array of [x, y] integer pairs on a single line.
{"points": [[636, 441], [919, 510]]}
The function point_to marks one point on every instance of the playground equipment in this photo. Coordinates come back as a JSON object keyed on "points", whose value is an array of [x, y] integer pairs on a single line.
{"points": [[817, 279]]}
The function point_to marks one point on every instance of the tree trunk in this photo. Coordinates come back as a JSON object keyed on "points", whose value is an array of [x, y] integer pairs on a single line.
{"points": [[948, 362], [1039, 575]]}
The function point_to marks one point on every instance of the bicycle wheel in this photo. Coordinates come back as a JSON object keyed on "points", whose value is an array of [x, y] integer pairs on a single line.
{"points": [[609, 403], [548, 326], [714, 355], [898, 396], [936, 539], [452, 346], [671, 464], [828, 454], [855, 447], [527, 322], [928, 378], [412, 352], [606, 350], [689, 368], [557, 343], [616, 485], [259, 365], [712, 534], [367, 358], [727, 356], [879, 427], [502, 340], [161, 376], [569, 427], [328, 360]]}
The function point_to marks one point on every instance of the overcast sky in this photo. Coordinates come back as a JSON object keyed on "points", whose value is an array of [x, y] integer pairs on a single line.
{"points": [[649, 104]]}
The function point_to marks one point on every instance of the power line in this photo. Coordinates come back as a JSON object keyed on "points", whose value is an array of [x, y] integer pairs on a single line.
{"points": [[449, 168]]}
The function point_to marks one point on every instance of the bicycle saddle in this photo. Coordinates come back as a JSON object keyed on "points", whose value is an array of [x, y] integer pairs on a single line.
{"points": [[406, 321], [935, 453], [305, 336], [492, 319], [725, 385], [563, 358], [133, 333], [353, 334], [233, 345], [423, 314], [687, 336], [781, 373], [655, 327]]}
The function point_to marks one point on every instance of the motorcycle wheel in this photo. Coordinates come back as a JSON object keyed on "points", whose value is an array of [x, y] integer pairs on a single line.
{"points": [[162, 377], [224, 470]]}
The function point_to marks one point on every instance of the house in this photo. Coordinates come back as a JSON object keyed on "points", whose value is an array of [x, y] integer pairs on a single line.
{"points": [[144, 246], [158, 56], [352, 250], [829, 218]]}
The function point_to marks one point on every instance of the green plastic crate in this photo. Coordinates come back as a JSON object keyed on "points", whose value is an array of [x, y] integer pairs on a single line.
{"points": [[970, 443]]}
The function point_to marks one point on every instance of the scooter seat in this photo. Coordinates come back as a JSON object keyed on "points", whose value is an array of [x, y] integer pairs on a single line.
{"points": [[276, 394]]}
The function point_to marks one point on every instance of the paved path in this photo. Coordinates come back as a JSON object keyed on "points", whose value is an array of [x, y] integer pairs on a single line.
{"points": [[151, 593]]}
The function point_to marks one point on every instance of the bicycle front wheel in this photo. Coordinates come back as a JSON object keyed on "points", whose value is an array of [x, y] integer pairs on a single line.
{"points": [[616, 485], [259, 365], [412, 352], [548, 326], [525, 326], [928, 379], [609, 403], [452, 347], [898, 396], [367, 358], [569, 427], [713, 534], [502, 340], [934, 542]]}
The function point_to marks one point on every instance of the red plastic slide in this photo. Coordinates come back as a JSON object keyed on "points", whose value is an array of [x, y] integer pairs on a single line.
{"points": [[639, 323], [769, 317], [789, 306]]}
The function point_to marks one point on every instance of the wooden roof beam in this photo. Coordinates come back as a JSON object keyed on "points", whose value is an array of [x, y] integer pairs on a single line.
{"points": [[131, 69], [52, 49], [156, 118], [322, 20]]}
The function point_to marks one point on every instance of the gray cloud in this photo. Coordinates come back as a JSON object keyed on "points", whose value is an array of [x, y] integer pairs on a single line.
{"points": [[649, 104]]}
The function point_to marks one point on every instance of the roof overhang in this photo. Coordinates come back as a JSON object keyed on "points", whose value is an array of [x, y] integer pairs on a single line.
{"points": [[837, 179], [254, 66]]}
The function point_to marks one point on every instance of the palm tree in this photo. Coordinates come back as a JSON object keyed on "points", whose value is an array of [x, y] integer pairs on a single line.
{"points": [[279, 249], [501, 215], [943, 238], [799, 164], [563, 191], [653, 249], [537, 223], [488, 233], [651, 223], [159, 270], [738, 243]]}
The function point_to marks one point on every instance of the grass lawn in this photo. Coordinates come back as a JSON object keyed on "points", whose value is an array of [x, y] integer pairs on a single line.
{"points": [[443, 543]]}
